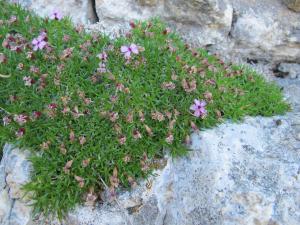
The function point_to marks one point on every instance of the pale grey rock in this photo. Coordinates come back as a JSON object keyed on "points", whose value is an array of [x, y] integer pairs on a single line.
{"points": [[20, 213], [263, 30], [207, 21], [5, 206], [14, 172], [293, 4], [292, 69], [80, 11], [16, 161]]}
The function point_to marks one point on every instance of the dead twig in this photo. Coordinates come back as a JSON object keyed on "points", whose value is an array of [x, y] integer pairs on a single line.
{"points": [[5, 76]]}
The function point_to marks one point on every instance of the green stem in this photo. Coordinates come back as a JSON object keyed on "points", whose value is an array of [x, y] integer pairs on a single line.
{"points": [[4, 110]]}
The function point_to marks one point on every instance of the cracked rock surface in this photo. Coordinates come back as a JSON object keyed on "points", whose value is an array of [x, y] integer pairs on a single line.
{"points": [[80, 11], [255, 29], [14, 172]]}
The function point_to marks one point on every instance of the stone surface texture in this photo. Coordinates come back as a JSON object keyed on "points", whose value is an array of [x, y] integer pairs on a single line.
{"points": [[187, 16], [293, 4], [264, 30], [14, 172], [245, 173], [80, 11]]}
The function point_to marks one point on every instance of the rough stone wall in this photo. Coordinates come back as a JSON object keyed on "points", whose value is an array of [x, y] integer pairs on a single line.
{"points": [[248, 29], [263, 30], [80, 11], [293, 4], [14, 172]]}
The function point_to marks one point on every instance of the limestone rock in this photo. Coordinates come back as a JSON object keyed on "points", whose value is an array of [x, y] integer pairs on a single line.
{"points": [[207, 21], [293, 4], [80, 11], [263, 30], [14, 172], [5, 206], [291, 69]]}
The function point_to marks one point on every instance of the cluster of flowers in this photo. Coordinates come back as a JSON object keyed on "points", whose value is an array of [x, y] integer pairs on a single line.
{"points": [[128, 51], [15, 42], [103, 59], [21, 119]]}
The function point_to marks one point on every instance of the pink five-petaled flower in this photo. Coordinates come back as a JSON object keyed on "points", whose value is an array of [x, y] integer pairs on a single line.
{"points": [[102, 56], [21, 119], [28, 81], [52, 106], [40, 42], [102, 68], [122, 139], [199, 108], [127, 50], [56, 15]]}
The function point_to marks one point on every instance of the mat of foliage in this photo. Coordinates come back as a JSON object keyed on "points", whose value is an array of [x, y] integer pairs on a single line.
{"points": [[100, 111]]}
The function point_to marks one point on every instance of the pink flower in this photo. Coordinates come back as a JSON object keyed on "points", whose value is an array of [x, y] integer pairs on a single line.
{"points": [[122, 139], [82, 140], [199, 108], [21, 119], [3, 58], [66, 38], [102, 68], [102, 56], [137, 134], [127, 50], [20, 133], [28, 81], [169, 138], [113, 116], [6, 120], [40, 42], [120, 87], [56, 15], [52, 106], [36, 115]]}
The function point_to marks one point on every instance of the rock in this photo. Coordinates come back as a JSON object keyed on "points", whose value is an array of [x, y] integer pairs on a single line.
{"points": [[293, 4], [14, 172], [208, 21], [5, 206], [20, 214], [80, 11], [292, 69], [265, 30], [262, 30], [16, 161], [298, 136], [148, 2]]}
